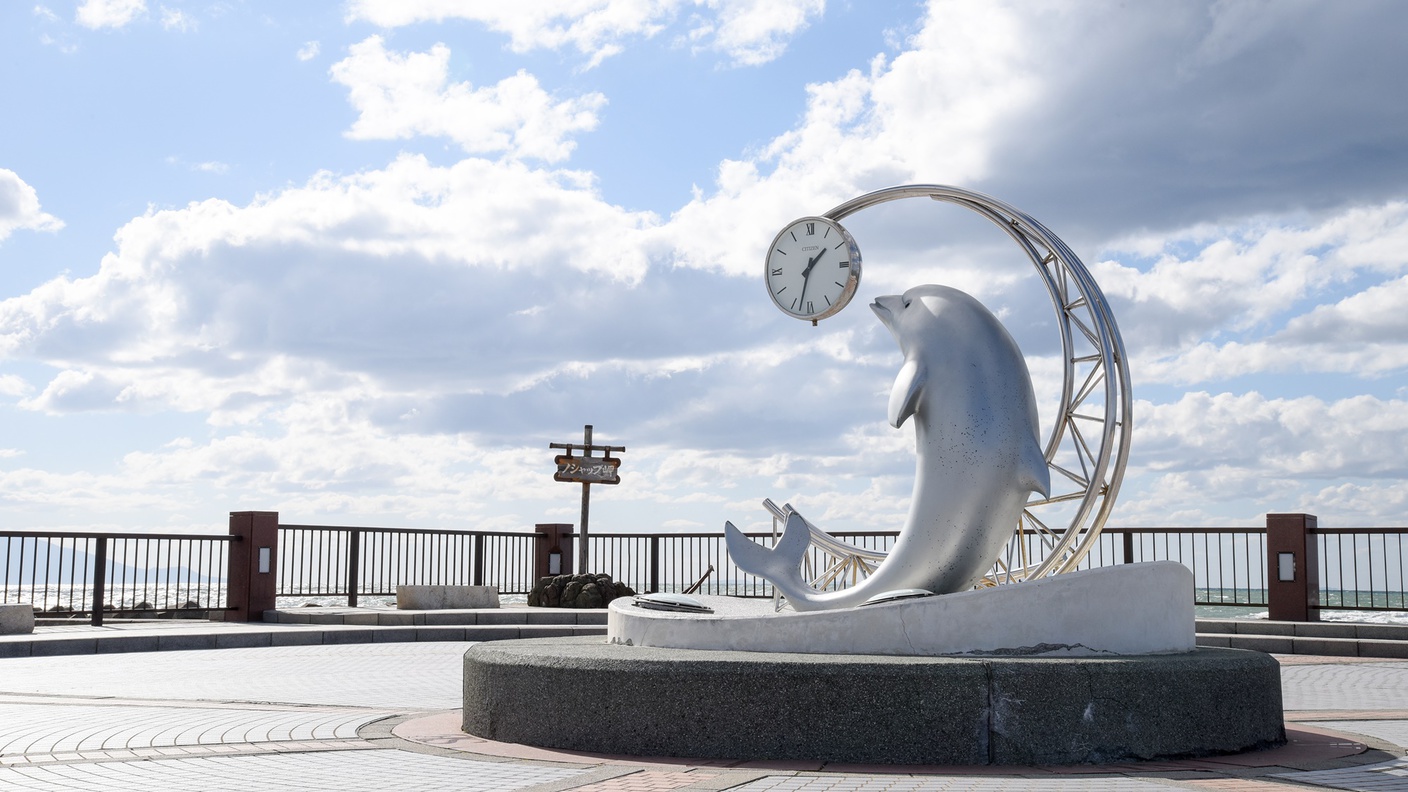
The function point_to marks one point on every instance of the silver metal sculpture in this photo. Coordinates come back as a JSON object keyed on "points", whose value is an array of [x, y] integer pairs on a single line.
{"points": [[1087, 447], [965, 383]]}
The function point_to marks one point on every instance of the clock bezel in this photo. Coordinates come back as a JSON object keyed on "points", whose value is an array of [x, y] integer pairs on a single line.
{"points": [[852, 277]]}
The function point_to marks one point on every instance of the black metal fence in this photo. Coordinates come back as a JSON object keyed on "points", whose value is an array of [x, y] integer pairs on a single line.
{"points": [[127, 575], [352, 562]]}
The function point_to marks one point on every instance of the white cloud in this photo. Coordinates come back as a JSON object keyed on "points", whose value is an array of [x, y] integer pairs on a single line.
{"points": [[96, 14], [13, 385], [400, 96], [967, 72], [175, 19], [1273, 296], [211, 166], [308, 51], [19, 207], [750, 32]]}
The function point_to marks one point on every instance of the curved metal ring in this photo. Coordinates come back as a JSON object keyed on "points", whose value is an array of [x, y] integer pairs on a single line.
{"points": [[1095, 390]]}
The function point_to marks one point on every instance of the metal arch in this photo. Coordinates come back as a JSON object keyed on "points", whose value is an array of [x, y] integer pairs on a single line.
{"points": [[1091, 471]]}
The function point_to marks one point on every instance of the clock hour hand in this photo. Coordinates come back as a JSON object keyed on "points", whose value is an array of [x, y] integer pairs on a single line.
{"points": [[807, 274]]}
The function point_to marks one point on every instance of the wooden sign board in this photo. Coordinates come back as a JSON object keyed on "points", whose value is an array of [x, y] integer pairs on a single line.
{"points": [[588, 470]]}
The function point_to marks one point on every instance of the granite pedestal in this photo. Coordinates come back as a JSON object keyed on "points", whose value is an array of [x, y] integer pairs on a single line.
{"points": [[587, 695]]}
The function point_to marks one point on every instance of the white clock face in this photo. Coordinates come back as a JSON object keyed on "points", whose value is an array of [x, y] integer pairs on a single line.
{"points": [[813, 268]]}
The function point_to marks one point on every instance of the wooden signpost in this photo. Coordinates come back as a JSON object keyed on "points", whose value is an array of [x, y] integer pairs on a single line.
{"points": [[587, 470]]}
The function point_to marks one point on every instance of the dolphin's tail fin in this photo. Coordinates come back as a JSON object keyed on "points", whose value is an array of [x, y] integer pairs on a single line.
{"points": [[782, 564]]}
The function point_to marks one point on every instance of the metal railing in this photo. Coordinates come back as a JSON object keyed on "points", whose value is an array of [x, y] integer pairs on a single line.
{"points": [[1371, 560], [134, 575], [121, 575], [351, 562]]}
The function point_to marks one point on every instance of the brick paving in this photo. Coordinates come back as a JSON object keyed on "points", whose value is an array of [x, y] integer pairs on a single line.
{"points": [[382, 716]]}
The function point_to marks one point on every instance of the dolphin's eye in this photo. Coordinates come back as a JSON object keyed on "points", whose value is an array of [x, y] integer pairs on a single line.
{"points": [[906, 302]]}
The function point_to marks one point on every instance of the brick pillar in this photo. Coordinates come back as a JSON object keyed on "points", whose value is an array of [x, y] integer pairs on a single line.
{"points": [[552, 538], [254, 564], [1292, 568]]}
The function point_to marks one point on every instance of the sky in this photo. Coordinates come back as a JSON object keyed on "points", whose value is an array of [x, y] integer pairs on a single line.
{"points": [[361, 262]]}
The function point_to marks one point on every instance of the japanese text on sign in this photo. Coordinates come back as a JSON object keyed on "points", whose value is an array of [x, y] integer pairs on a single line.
{"points": [[588, 470]]}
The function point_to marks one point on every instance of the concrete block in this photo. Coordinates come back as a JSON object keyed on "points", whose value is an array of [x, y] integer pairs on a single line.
{"points": [[504, 617], [397, 619], [1262, 627], [296, 638], [1277, 644], [242, 640], [1222, 640], [1336, 647], [1397, 632], [63, 646], [348, 636], [446, 597], [547, 631], [116, 644], [16, 618], [552, 616], [14, 649], [593, 616], [457, 617], [367, 618], [1211, 626], [406, 634], [1369, 647], [491, 632], [443, 633], [1325, 630], [168, 643]]}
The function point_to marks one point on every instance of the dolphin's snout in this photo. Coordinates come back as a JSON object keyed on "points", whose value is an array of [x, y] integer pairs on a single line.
{"points": [[888, 308]]}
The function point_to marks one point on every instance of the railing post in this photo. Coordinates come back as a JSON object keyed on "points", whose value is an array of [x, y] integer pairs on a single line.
{"points": [[654, 564], [354, 565], [1129, 547], [253, 561], [100, 580], [552, 550], [1292, 568], [479, 560]]}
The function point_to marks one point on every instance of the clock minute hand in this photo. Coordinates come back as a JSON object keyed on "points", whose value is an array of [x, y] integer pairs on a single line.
{"points": [[807, 274]]}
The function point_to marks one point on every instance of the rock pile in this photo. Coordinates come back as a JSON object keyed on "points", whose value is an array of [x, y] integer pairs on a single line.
{"points": [[576, 591]]}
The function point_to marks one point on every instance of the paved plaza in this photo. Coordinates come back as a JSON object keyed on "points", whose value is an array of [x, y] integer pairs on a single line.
{"points": [[384, 716]]}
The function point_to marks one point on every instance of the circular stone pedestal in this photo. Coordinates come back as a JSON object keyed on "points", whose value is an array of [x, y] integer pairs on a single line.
{"points": [[585, 695]]}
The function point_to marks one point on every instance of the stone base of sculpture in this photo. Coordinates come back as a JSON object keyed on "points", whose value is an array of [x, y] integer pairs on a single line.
{"points": [[1095, 666], [583, 694], [1127, 609]]}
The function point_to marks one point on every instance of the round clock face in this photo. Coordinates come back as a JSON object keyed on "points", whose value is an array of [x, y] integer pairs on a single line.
{"points": [[813, 268]]}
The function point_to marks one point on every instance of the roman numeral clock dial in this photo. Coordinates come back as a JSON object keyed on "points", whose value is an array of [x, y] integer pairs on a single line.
{"points": [[812, 269]]}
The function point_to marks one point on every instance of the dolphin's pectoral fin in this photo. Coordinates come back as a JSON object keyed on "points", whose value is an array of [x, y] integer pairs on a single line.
{"points": [[904, 396], [1035, 475], [779, 565]]}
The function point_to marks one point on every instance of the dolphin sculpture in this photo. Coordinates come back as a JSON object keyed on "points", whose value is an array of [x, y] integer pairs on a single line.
{"points": [[965, 382]]}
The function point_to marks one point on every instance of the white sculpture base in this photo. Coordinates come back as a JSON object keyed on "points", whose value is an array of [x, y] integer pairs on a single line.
{"points": [[1129, 609]]}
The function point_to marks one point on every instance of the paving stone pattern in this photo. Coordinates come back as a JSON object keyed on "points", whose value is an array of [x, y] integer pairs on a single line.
{"points": [[360, 771], [321, 717], [1345, 686]]}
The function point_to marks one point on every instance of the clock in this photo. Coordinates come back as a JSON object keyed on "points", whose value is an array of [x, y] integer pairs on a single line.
{"points": [[812, 269]]}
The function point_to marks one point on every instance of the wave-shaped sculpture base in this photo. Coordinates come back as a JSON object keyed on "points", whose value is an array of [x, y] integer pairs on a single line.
{"points": [[1126, 610]]}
